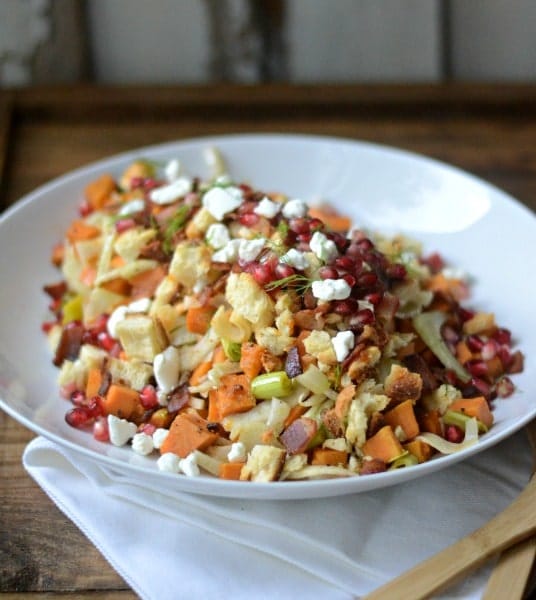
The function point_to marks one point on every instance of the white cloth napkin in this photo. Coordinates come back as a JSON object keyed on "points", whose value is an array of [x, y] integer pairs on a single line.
{"points": [[169, 545]]}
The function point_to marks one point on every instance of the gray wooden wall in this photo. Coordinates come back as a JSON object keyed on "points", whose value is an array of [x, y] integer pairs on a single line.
{"points": [[197, 41]]}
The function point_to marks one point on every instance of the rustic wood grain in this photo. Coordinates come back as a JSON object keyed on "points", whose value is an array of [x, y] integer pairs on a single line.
{"points": [[487, 130]]}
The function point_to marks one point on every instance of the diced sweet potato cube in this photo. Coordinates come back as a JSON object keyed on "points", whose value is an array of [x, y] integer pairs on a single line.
{"points": [[403, 416], [474, 407], [187, 433], [383, 445]]}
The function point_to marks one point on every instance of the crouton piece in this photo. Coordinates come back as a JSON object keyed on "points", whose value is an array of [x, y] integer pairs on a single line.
{"points": [[264, 464], [402, 385]]}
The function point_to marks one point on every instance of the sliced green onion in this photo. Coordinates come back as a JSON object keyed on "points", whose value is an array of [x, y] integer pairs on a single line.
{"points": [[233, 350], [428, 326], [454, 417], [406, 460], [270, 385], [318, 438]]}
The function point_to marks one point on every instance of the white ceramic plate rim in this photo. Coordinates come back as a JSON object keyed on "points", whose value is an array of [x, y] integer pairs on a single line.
{"points": [[241, 145]]}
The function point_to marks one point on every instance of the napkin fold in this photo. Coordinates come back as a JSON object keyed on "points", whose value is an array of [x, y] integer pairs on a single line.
{"points": [[168, 544]]}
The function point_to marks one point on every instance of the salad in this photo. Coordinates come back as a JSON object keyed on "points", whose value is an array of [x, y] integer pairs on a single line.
{"points": [[244, 334]]}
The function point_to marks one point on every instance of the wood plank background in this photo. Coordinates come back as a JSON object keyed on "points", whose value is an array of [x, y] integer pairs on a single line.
{"points": [[296, 41]]}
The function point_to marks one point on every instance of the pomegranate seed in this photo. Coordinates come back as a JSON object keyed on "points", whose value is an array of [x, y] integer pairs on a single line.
{"points": [[249, 219], [95, 406], [299, 225], [350, 279], [106, 341], [47, 326], [100, 324], [503, 336], [115, 351], [451, 377], [481, 386], [454, 434], [246, 207], [504, 387], [282, 270], [100, 430], [362, 317], [67, 390], [466, 314], [353, 251], [78, 398], [136, 182], [315, 225], [489, 350], [150, 184], [124, 225], [367, 279], [148, 397], [396, 271], [344, 262], [340, 241], [474, 343], [365, 244], [374, 298], [477, 368], [434, 262], [78, 417], [503, 352], [85, 209], [262, 274], [147, 428], [304, 237], [345, 307], [55, 305], [328, 273]]}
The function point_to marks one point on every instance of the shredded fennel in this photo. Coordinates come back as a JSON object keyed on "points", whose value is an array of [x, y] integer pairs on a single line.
{"points": [[445, 447]]}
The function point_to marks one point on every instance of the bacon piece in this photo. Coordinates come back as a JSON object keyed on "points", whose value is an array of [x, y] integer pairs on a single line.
{"points": [[298, 435]]}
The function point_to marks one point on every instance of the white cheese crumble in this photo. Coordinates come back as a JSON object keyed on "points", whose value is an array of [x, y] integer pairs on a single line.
{"points": [[142, 305], [142, 444], [172, 170], [343, 343], [324, 248], [248, 250], [220, 201], [189, 465], [331, 289], [295, 259], [267, 208], [171, 192], [294, 209], [229, 253], [120, 430], [138, 306], [131, 207], [116, 317], [166, 367], [159, 436], [454, 273], [168, 462], [237, 453], [217, 235]]}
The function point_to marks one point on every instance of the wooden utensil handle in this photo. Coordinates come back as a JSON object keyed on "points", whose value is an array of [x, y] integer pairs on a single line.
{"points": [[512, 525]]}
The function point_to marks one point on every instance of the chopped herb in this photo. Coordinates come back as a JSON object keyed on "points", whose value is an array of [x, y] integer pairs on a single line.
{"points": [[175, 224], [298, 282]]}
